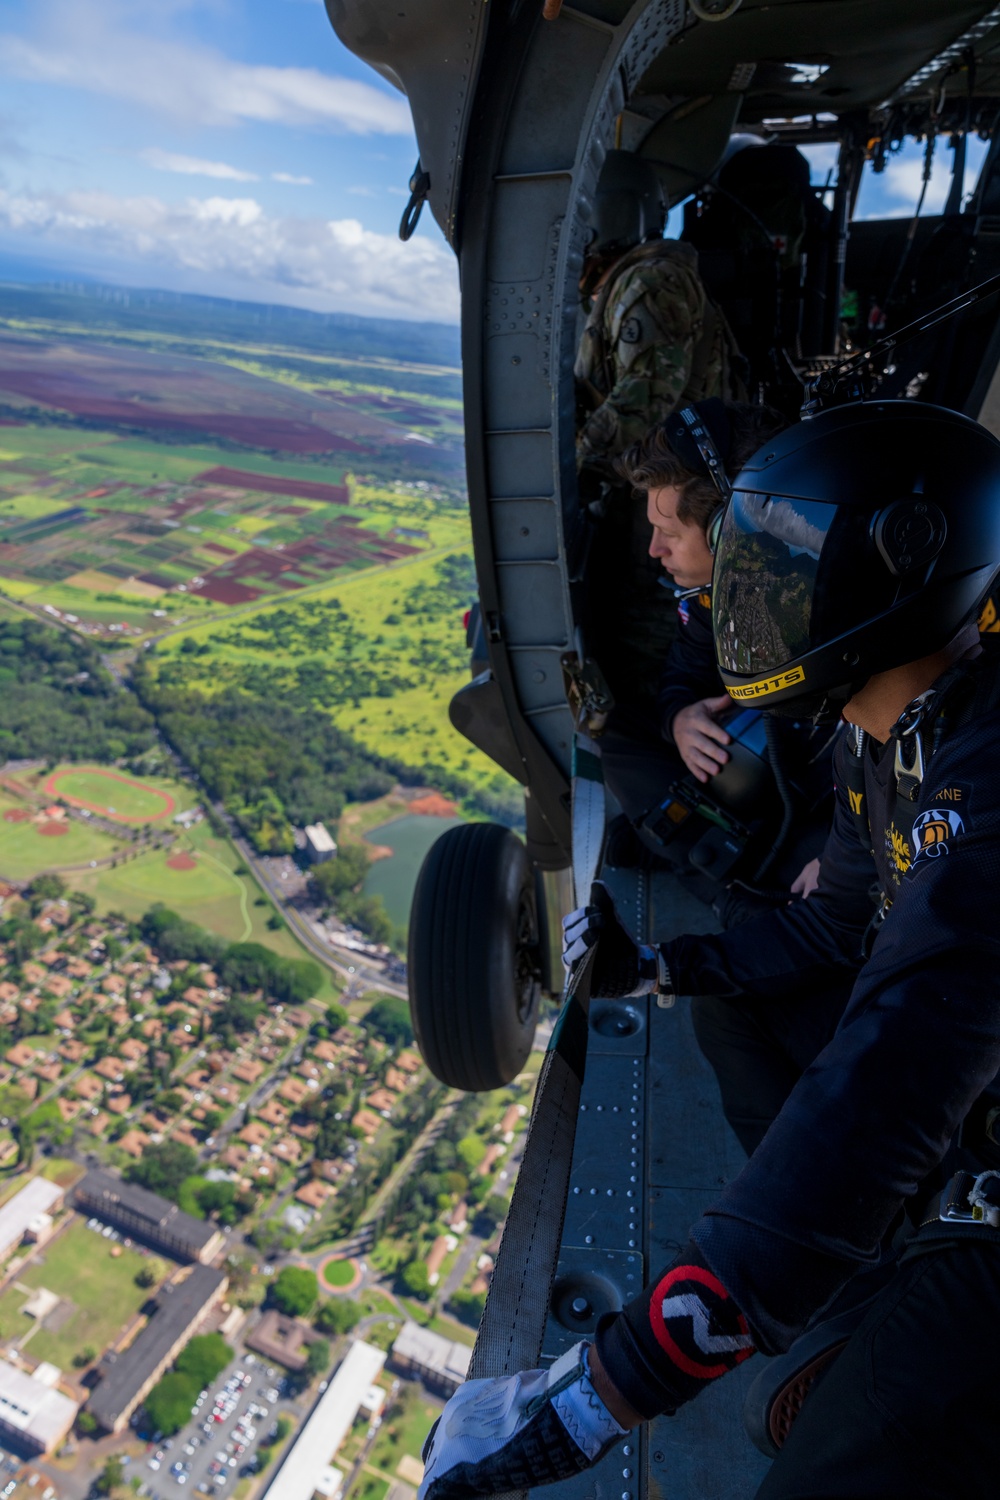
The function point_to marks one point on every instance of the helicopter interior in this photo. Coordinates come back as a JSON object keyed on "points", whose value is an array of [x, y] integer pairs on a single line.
{"points": [[515, 111]]}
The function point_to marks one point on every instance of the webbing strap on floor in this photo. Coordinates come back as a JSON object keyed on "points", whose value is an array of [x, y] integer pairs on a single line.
{"points": [[517, 1307], [513, 1323]]}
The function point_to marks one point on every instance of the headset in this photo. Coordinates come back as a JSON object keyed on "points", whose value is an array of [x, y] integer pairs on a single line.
{"points": [[697, 436]]}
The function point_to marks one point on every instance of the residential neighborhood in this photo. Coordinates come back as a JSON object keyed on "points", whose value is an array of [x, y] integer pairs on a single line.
{"points": [[194, 1172]]}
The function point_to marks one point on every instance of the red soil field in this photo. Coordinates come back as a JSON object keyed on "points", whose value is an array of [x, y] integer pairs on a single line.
{"points": [[433, 805], [153, 390], [16, 815], [336, 494], [220, 591], [53, 830], [181, 862]]}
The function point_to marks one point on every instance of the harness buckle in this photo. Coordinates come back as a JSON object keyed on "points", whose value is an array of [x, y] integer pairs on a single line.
{"points": [[971, 1200], [955, 1205], [985, 1199]]}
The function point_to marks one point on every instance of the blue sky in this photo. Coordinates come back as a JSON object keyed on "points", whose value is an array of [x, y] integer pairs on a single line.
{"points": [[222, 146], [233, 147]]}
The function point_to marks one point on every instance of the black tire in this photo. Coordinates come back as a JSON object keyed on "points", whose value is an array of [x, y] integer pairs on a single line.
{"points": [[473, 957]]}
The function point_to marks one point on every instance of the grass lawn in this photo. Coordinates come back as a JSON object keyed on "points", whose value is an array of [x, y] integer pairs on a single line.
{"points": [[339, 1272], [370, 1487], [211, 894], [79, 1266], [25, 853], [403, 1429]]}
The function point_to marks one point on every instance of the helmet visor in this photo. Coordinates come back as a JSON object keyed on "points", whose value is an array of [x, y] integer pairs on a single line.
{"points": [[769, 602]]}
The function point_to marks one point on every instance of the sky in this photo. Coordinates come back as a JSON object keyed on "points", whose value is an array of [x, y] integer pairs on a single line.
{"points": [[236, 148]]}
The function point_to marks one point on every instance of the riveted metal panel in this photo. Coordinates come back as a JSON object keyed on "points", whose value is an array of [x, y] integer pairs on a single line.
{"points": [[525, 530], [589, 1283], [605, 1206], [519, 463], [525, 212], [564, 55], [518, 393], [539, 677], [531, 605], [554, 727], [690, 1144]]}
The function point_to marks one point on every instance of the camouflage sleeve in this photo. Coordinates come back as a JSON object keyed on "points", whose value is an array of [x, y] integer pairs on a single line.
{"points": [[651, 330]]}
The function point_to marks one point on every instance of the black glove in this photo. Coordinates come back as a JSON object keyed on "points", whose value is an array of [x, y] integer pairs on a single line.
{"points": [[621, 966]]}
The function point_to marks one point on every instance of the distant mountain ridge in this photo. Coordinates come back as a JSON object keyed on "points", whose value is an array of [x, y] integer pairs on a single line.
{"points": [[100, 307]]}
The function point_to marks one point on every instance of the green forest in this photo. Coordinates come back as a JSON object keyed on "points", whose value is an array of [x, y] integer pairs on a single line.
{"points": [[57, 701], [271, 763]]}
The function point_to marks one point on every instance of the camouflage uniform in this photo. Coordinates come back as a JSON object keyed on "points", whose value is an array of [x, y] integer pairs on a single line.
{"points": [[652, 339]]}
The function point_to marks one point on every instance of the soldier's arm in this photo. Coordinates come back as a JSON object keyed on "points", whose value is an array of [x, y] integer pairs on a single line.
{"points": [[652, 341]]}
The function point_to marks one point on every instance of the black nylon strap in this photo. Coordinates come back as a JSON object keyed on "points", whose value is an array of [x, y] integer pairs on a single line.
{"points": [[517, 1306]]}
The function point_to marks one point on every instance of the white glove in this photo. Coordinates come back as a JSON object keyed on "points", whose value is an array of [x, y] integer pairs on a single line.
{"points": [[621, 967], [519, 1431], [581, 930]]}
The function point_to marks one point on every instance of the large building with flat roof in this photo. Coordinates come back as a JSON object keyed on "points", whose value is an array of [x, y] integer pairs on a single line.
{"points": [[34, 1416], [127, 1378], [28, 1209], [440, 1363], [320, 845], [306, 1468], [147, 1217]]}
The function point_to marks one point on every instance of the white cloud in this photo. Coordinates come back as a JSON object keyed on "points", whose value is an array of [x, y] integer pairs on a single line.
{"points": [[231, 243], [90, 44], [194, 166], [363, 192], [893, 194], [291, 178]]}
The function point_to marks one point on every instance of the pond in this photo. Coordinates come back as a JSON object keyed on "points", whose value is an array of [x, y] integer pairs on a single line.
{"points": [[394, 878]]}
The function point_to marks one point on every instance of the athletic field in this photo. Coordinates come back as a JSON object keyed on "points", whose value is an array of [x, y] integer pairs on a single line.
{"points": [[110, 793]]}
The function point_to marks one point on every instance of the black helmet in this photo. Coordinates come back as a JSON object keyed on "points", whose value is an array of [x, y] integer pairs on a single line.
{"points": [[854, 542], [629, 205]]}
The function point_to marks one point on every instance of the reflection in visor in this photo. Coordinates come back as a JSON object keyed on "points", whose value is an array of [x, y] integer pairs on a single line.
{"points": [[764, 582]]}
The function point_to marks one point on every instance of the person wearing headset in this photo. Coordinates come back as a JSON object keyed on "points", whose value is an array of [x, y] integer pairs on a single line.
{"points": [[684, 503], [853, 562]]}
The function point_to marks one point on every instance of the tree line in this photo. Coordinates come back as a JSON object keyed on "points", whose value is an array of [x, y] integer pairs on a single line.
{"points": [[57, 701]]}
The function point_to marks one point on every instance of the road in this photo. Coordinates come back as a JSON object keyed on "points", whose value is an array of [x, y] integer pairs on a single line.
{"points": [[364, 972]]}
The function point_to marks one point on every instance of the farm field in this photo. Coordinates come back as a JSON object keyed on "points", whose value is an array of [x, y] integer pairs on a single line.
{"points": [[79, 1267], [123, 537], [382, 651]]}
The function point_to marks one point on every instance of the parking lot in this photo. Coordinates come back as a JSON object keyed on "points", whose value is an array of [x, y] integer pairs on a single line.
{"points": [[233, 1418]]}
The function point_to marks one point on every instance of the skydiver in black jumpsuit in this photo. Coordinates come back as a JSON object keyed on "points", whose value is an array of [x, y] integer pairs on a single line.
{"points": [[851, 568]]}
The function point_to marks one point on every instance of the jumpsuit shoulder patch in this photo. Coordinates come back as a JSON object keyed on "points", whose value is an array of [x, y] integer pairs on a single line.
{"points": [[934, 832]]}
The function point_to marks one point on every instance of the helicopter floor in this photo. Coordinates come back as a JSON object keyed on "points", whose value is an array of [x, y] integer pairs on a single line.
{"points": [[652, 1150]]}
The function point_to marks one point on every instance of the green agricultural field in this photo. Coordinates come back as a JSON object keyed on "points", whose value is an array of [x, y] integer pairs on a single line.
{"points": [[118, 531], [79, 1266], [405, 637], [25, 852]]}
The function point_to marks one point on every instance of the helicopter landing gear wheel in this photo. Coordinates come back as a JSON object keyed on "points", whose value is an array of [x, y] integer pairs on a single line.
{"points": [[473, 957]]}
